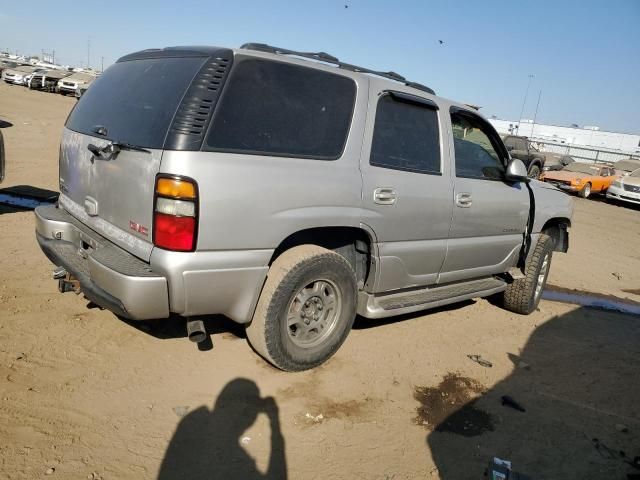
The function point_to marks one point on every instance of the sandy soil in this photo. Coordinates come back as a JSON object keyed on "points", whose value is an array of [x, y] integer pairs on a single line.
{"points": [[85, 395]]}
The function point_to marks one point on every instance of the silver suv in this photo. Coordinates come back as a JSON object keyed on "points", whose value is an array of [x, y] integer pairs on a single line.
{"points": [[289, 195]]}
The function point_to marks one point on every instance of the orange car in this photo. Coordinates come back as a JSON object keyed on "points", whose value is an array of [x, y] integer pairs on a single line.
{"points": [[583, 178]]}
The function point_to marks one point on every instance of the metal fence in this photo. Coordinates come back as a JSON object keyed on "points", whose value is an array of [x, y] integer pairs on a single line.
{"points": [[585, 154]]}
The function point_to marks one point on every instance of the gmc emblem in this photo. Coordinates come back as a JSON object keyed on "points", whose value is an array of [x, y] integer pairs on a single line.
{"points": [[136, 227]]}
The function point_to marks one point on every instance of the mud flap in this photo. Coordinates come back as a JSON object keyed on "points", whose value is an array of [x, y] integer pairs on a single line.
{"points": [[526, 237]]}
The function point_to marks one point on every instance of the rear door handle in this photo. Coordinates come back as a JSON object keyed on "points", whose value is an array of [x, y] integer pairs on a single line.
{"points": [[463, 200], [385, 196]]}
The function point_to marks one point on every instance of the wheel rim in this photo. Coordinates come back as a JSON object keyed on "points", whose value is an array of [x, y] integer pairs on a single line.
{"points": [[587, 190], [542, 276], [313, 313]]}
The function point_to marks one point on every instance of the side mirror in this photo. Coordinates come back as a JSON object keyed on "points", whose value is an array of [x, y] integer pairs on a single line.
{"points": [[516, 171]]}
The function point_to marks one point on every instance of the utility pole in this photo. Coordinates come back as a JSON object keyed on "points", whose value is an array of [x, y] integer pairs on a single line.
{"points": [[526, 92], [535, 115]]}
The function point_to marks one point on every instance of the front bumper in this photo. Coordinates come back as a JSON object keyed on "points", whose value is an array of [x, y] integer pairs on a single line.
{"points": [[563, 186], [185, 283], [67, 88], [617, 193]]}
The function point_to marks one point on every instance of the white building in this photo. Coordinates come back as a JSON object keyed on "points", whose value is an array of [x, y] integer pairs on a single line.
{"points": [[591, 137]]}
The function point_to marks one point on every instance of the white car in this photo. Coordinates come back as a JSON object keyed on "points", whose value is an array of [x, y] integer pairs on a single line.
{"points": [[626, 188], [17, 75], [71, 83]]}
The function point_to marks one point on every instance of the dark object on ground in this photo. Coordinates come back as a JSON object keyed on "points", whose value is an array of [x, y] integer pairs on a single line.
{"points": [[501, 470], [508, 401], [480, 361], [1, 158]]}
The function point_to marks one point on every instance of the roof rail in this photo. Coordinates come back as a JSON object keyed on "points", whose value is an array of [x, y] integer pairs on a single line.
{"points": [[325, 57]]}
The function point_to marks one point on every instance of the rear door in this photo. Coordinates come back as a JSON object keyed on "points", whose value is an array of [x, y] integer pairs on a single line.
{"points": [[133, 103], [406, 187], [489, 214]]}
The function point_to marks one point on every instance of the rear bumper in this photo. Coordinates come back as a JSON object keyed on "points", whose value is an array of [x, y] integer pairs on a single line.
{"points": [[108, 275], [185, 283]]}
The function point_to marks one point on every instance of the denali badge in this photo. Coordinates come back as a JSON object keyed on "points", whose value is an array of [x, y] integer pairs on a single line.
{"points": [[136, 227]]}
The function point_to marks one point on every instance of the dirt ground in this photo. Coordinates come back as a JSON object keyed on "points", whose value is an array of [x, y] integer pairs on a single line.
{"points": [[86, 395]]}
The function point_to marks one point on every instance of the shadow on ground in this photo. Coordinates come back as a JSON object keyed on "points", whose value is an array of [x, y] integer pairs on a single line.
{"points": [[21, 198], [208, 443], [5, 124], [577, 380]]}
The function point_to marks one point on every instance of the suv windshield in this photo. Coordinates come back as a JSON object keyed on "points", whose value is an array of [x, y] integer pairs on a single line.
{"points": [[136, 100]]}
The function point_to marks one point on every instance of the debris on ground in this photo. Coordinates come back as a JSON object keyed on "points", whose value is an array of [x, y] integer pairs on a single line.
{"points": [[180, 411], [480, 361], [316, 418], [245, 440], [508, 401], [500, 469], [617, 275], [50, 471]]}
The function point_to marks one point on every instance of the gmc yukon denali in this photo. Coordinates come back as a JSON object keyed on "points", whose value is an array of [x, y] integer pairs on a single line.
{"points": [[289, 192]]}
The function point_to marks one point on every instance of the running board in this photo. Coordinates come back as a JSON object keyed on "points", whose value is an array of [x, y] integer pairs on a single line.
{"points": [[408, 301]]}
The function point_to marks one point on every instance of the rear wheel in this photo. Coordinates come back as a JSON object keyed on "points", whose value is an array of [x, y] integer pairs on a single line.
{"points": [[523, 295], [306, 308], [586, 191]]}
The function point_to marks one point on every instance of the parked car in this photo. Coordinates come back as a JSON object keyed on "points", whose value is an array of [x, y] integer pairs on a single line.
{"points": [[556, 161], [47, 80], [626, 188], [626, 166], [26, 80], [521, 148], [337, 193], [582, 178], [17, 75], [74, 81]]}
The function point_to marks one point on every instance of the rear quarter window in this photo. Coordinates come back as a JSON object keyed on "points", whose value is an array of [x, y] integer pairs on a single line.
{"points": [[135, 100], [279, 109]]}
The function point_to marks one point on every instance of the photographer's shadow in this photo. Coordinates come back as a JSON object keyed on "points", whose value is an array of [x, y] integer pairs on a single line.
{"points": [[206, 444]]}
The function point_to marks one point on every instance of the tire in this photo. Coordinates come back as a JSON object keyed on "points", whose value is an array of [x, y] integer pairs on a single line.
{"points": [[523, 295], [586, 191], [534, 172], [304, 282]]}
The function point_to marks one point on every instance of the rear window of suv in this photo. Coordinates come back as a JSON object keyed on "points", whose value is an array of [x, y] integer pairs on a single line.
{"points": [[279, 109], [135, 100]]}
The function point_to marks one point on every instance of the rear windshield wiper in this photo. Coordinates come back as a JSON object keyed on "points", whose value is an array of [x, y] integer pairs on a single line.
{"points": [[114, 148]]}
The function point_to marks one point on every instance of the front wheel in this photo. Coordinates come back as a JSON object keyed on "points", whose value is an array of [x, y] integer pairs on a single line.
{"points": [[534, 172], [523, 295], [306, 308]]}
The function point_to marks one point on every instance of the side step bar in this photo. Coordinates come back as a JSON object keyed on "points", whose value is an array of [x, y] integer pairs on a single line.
{"points": [[408, 301]]}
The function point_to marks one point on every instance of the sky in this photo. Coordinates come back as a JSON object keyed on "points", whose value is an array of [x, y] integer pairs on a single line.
{"points": [[584, 55]]}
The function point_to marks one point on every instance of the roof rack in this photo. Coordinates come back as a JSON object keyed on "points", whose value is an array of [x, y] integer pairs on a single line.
{"points": [[325, 57]]}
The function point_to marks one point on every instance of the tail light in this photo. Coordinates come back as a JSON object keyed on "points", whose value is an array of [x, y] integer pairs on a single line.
{"points": [[175, 216]]}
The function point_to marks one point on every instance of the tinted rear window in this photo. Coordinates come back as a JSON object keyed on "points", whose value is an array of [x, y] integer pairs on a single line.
{"points": [[406, 136], [136, 100], [279, 109]]}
